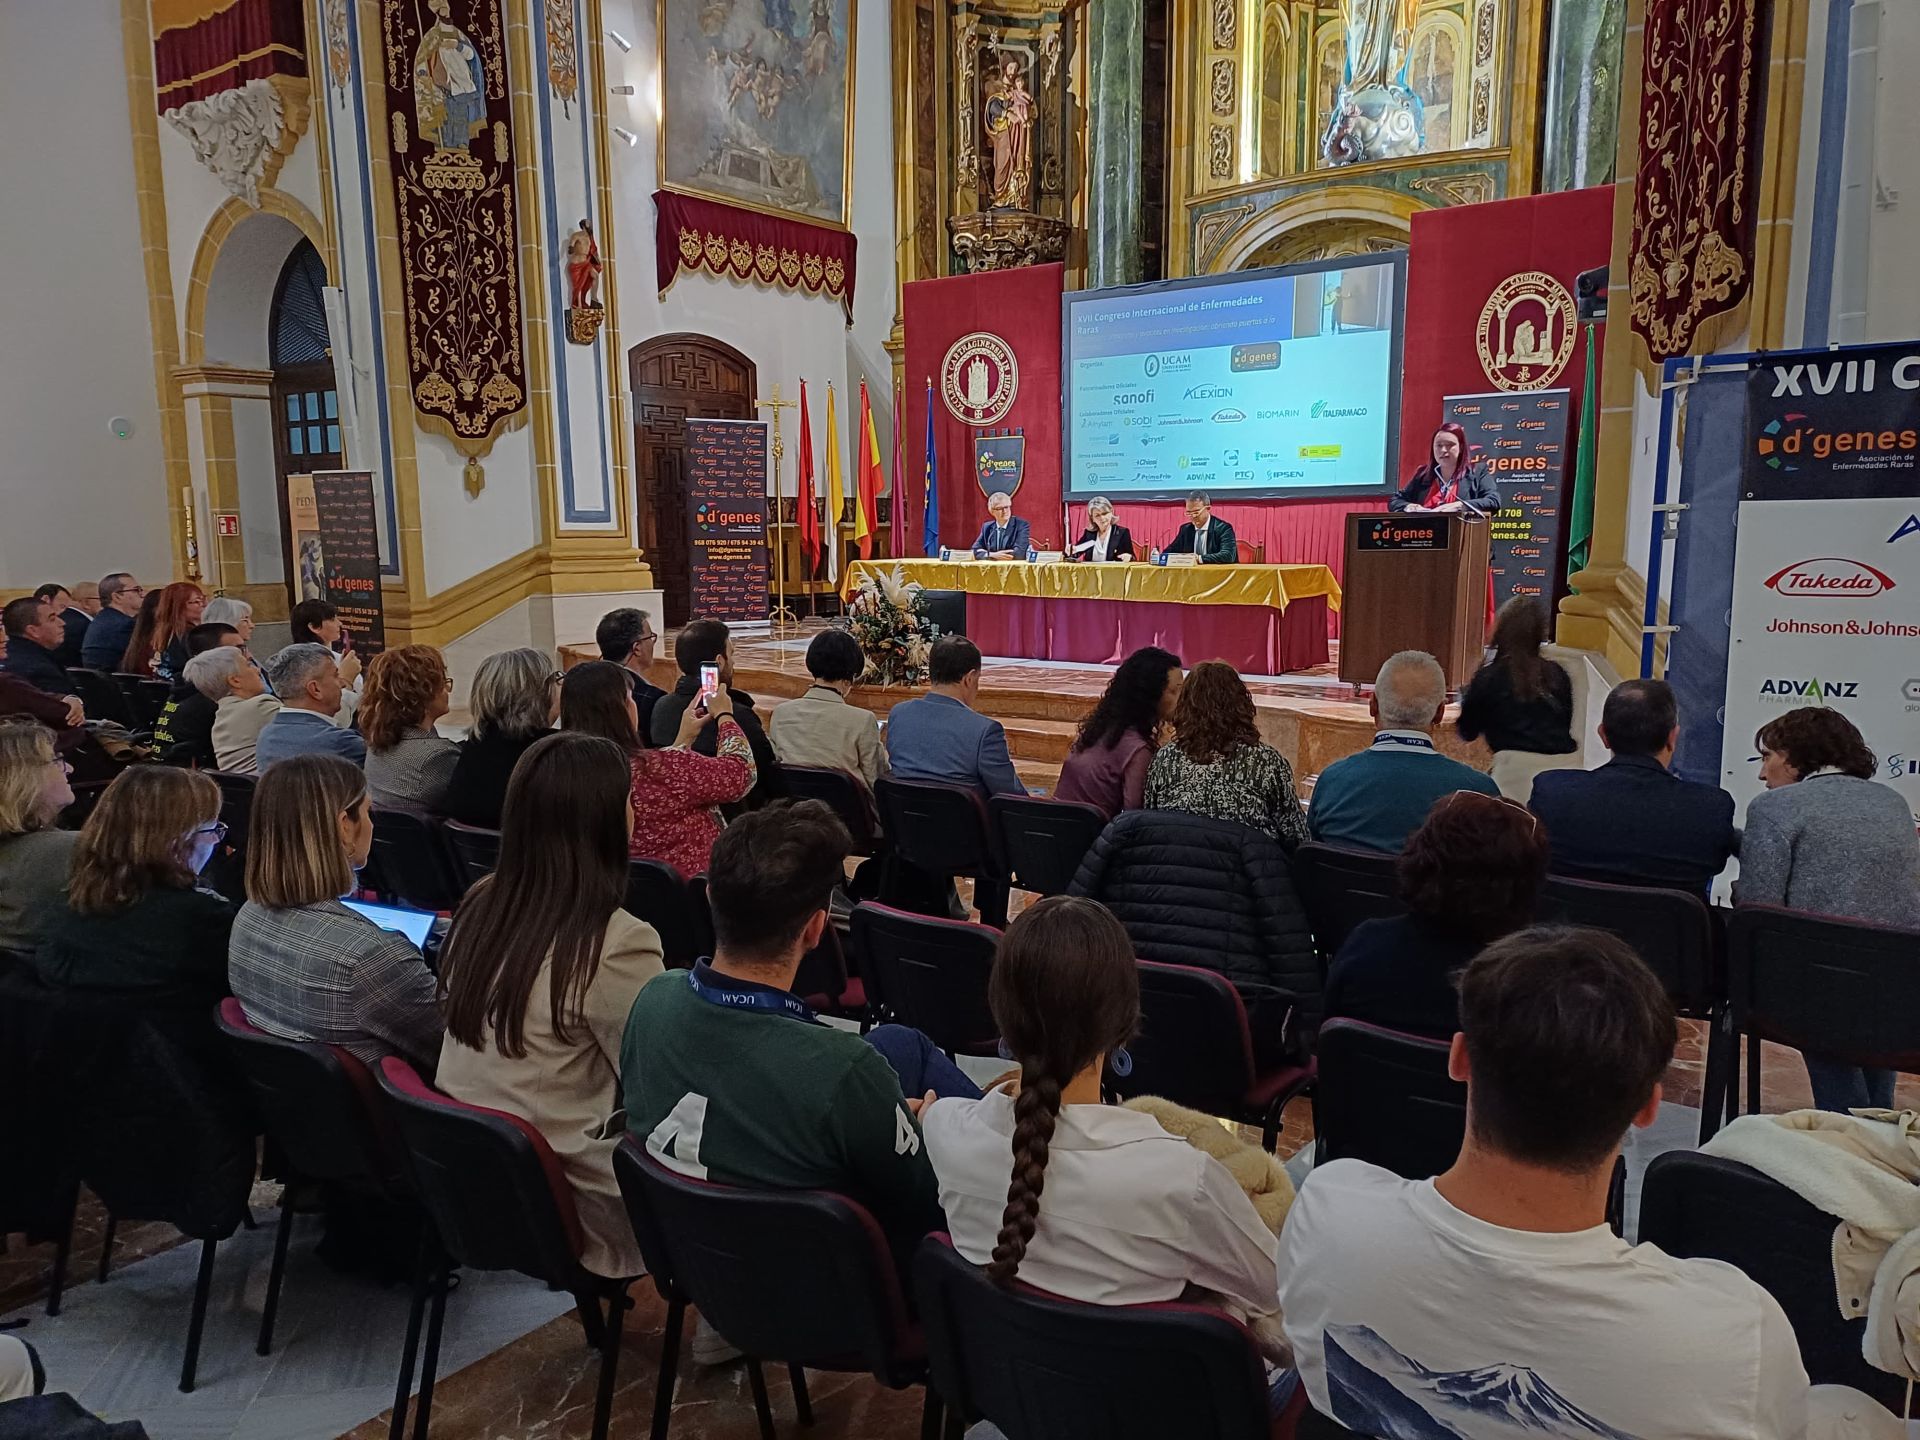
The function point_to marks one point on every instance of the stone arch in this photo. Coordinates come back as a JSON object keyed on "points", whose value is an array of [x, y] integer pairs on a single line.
{"points": [[1370, 217], [236, 268]]}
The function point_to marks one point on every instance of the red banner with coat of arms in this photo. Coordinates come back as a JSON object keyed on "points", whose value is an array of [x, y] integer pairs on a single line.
{"points": [[1490, 303], [990, 344]]}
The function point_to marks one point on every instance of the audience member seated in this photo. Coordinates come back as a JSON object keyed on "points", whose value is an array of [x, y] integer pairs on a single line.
{"points": [[73, 622], [121, 597], [678, 792], [315, 622], [626, 638], [1216, 764], [1005, 536], [34, 789], [409, 765], [1471, 874], [1103, 1205], [728, 1076], [596, 698], [242, 705], [182, 606], [225, 610], [141, 646], [62, 714], [136, 920], [515, 701], [1376, 799], [1632, 821], [1493, 1298], [1209, 540], [940, 736], [34, 634], [1521, 701], [307, 683], [1828, 838], [186, 720], [303, 965], [822, 727], [707, 642], [542, 966], [1107, 766]]}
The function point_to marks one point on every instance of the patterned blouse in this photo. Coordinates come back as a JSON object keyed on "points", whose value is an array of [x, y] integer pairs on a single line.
{"points": [[1252, 786], [677, 797]]}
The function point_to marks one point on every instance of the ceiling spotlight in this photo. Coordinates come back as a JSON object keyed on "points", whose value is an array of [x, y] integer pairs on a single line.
{"points": [[623, 90], [626, 135], [619, 39]]}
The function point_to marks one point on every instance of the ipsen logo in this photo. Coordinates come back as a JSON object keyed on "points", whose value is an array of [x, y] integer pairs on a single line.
{"points": [[1830, 575]]}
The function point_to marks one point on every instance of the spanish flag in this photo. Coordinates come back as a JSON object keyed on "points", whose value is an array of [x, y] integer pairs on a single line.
{"points": [[836, 488], [866, 509]]}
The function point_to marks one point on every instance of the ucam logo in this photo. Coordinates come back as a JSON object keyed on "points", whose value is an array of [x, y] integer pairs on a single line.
{"points": [[1813, 690], [1830, 575]]}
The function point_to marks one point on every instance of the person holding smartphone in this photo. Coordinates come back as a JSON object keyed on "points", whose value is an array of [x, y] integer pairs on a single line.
{"points": [[704, 652], [678, 792]]}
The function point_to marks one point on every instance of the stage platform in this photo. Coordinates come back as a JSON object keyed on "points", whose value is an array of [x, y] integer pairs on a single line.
{"points": [[1312, 718]]}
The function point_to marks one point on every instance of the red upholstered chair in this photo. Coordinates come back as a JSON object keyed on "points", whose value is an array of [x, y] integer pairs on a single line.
{"points": [[1250, 552], [929, 973], [1043, 1368], [803, 1277], [1195, 1048], [500, 1201]]}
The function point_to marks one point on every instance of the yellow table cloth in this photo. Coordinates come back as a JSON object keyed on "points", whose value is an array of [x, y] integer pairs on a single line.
{"points": [[1273, 586]]}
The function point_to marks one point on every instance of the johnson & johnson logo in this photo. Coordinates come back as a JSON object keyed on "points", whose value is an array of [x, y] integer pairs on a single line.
{"points": [[1830, 575]]}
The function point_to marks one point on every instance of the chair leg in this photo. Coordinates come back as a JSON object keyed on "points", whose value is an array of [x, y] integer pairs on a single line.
{"points": [[1753, 1074], [761, 1409], [106, 1248], [588, 1309], [410, 1350], [802, 1402], [196, 1322], [1723, 1061], [430, 1364], [669, 1368], [276, 1276], [617, 1306], [1270, 1133], [954, 1427], [62, 1252], [930, 1411]]}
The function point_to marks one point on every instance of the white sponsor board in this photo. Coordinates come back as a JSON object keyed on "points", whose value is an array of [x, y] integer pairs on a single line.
{"points": [[1826, 611]]}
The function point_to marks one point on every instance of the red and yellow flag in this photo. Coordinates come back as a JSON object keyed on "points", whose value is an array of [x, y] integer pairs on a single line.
{"points": [[872, 476]]}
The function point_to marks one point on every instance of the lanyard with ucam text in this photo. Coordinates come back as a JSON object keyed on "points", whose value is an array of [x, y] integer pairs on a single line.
{"points": [[1385, 738], [760, 997]]}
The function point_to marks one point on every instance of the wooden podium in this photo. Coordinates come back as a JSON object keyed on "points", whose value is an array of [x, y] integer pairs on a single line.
{"points": [[1414, 582]]}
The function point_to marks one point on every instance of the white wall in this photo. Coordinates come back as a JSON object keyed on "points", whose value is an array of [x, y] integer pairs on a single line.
{"points": [[75, 502]]}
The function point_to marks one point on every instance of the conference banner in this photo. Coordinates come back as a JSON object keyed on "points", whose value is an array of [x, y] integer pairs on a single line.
{"points": [[1000, 462], [727, 518], [336, 551], [1826, 570], [1521, 436]]}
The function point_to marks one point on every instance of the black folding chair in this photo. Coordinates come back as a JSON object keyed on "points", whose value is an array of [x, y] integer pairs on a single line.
{"points": [[942, 830], [102, 698], [1340, 888], [414, 862], [146, 696], [227, 872], [475, 850], [657, 895], [1043, 841], [1385, 1097], [931, 974], [822, 981], [845, 793]]}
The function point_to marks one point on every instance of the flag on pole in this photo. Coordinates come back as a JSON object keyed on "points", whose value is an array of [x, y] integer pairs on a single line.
{"points": [[897, 511], [808, 503], [868, 480], [836, 488], [1580, 527], [930, 495]]}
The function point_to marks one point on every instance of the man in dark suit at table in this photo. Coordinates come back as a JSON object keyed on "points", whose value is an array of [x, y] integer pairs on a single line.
{"points": [[1633, 822], [1211, 541], [1004, 537]]}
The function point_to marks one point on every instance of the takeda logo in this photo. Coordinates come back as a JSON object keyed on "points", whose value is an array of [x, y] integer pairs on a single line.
{"points": [[1830, 575]]}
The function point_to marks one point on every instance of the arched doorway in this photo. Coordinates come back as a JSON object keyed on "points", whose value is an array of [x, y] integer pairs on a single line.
{"points": [[306, 406], [676, 378]]}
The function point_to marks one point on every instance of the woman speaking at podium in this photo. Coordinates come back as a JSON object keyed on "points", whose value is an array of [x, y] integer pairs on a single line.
{"points": [[1449, 481]]}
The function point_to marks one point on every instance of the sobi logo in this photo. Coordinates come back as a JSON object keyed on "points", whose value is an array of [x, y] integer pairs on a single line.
{"points": [[1769, 444], [1830, 576]]}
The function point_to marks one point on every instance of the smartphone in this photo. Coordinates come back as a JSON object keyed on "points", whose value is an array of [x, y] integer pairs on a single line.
{"points": [[709, 682]]}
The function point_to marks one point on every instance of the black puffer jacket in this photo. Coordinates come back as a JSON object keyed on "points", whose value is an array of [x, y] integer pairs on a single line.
{"points": [[1214, 895]]}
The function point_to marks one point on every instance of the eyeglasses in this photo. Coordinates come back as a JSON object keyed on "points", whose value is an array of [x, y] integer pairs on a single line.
{"points": [[218, 830], [1533, 821], [556, 677]]}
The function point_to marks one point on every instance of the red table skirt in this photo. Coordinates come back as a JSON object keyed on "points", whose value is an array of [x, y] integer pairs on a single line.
{"points": [[1254, 639]]}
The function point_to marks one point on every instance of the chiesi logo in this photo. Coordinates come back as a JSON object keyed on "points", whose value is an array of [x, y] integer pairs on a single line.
{"points": [[1829, 575]]}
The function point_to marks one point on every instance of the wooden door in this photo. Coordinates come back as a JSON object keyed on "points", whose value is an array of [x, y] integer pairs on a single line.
{"points": [[306, 437], [676, 378]]}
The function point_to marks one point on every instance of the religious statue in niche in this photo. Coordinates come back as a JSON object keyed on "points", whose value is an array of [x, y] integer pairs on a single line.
{"points": [[585, 313], [1376, 114], [1009, 115]]}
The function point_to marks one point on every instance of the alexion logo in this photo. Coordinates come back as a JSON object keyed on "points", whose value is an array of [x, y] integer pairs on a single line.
{"points": [[1830, 575]]}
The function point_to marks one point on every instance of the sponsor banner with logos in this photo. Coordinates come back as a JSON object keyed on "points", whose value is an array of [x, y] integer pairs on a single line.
{"points": [[1521, 437], [336, 553], [999, 462], [1826, 575], [727, 518]]}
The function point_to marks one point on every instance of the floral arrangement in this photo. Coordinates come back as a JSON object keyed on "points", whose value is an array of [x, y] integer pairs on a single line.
{"points": [[884, 616]]}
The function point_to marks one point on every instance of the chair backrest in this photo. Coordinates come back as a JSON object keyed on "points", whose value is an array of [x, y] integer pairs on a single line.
{"points": [[1672, 930], [1340, 888], [1836, 989], [1043, 841], [822, 975], [844, 792], [940, 828], [803, 1276], [414, 862], [492, 1184], [102, 698], [1385, 1097], [1250, 552], [476, 850], [1043, 1368], [320, 1102], [657, 895], [1194, 1047], [929, 973], [140, 698], [1696, 1206]]}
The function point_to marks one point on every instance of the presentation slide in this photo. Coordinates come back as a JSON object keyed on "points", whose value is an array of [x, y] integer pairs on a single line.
{"points": [[1260, 384]]}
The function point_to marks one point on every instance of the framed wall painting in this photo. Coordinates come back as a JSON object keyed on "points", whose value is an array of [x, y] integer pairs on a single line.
{"points": [[757, 104]]}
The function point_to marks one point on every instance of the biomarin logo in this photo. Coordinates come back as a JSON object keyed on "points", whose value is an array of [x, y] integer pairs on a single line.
{"points": [[1830, 575]]}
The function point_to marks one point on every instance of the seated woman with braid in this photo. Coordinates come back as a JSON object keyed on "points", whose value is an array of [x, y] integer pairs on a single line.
{"points": [[1104, 1205]]}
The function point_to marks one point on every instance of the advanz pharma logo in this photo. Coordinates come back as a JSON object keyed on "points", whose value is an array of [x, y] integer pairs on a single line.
{"points": [[1786, 690], [1830, 576]]}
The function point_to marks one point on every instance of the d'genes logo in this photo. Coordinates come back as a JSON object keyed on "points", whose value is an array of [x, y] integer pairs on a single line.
{"points": [[1772, 439]]}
